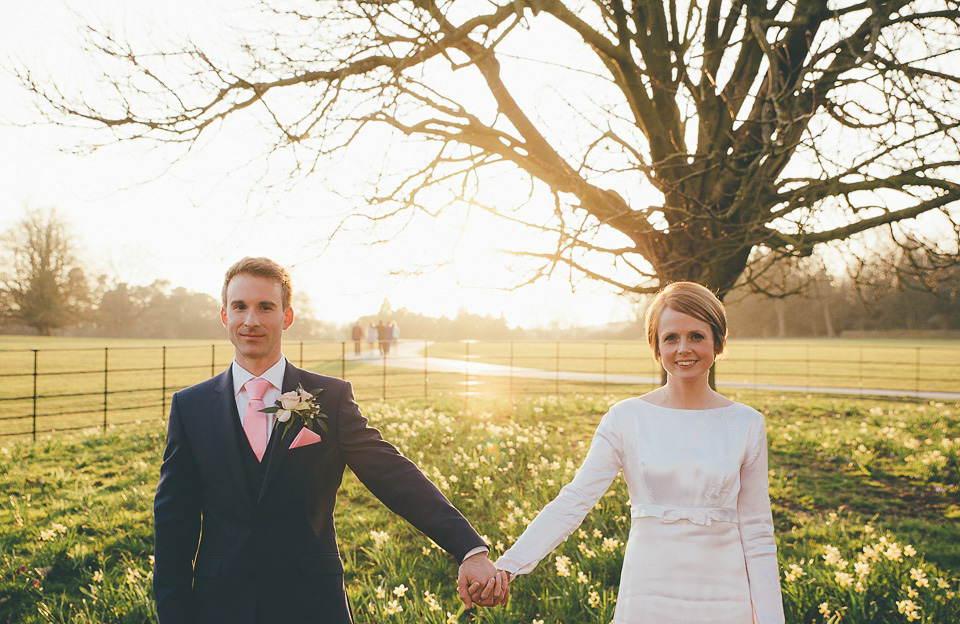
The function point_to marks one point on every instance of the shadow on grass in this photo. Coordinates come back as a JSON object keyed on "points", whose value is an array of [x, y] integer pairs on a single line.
{"points": [[906, 505]]}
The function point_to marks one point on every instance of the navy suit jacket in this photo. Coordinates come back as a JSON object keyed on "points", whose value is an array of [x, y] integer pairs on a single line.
{"points": [[228, 553]]}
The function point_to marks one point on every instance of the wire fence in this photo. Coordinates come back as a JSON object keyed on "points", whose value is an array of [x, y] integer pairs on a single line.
{"points": [[64, 389]]}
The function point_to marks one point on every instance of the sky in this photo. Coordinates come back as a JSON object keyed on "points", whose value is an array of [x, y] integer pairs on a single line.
{"points": [[138, 218]]}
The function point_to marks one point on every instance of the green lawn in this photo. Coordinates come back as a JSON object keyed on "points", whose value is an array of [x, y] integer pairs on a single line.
{"points": [[866, 498]]}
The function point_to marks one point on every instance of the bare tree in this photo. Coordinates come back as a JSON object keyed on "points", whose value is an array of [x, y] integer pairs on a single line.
{"points": [[675, 141], [40, 280]]}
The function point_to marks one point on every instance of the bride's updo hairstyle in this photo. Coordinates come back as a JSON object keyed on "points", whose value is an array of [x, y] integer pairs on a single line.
{"points": [[694, 300]]}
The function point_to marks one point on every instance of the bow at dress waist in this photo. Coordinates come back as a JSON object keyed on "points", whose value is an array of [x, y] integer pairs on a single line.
{"points": [[703, 516]]}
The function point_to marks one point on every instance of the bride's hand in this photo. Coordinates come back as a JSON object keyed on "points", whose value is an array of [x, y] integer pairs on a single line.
{"points": [[495, 592]]}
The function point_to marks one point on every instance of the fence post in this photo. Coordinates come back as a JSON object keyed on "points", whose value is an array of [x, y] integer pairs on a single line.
{"points": [[755, 390], [511, 372], [35, 352], [301, 354], [807, 359], [213, 359], [163, 395], [604, 368], [384, 388], [916, 370], [556, 390], [426, 345], [343, 359], [106, 368], [466, 373], [860, 369]]}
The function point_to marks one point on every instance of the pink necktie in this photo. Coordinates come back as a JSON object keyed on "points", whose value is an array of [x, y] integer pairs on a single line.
{"points": [[255, 422]]}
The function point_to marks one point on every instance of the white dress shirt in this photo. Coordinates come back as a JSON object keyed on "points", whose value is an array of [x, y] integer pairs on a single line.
{"points": [[274, 375]]}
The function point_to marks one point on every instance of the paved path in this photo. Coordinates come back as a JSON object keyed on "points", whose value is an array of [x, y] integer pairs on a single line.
{"points": [[408, 355]]}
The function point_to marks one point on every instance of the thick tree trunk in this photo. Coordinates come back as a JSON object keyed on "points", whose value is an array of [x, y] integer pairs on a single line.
{"points": [[781, 313], [828, 320]]}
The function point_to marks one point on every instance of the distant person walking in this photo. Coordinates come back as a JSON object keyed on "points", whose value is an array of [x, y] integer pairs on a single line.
{"points": [[382, 337], [394, 334], [372, 335], [356, 333]]}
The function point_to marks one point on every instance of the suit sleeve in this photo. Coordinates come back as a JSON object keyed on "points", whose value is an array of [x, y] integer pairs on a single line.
{"points": [[756, 532], [176, 513], [399, 484]]}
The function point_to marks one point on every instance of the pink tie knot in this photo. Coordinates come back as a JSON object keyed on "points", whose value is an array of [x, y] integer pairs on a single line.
{"points": [[256, 388]]}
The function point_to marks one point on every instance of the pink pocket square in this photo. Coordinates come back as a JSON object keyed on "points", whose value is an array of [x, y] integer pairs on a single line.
{"points": [[305, 438]]}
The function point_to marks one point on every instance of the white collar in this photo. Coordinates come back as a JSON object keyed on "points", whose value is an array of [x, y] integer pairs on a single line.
{"points": [[274, 375]]}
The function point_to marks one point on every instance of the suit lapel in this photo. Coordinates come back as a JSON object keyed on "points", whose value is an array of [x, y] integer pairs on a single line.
{"points": [[225, 417], [291, 379]]}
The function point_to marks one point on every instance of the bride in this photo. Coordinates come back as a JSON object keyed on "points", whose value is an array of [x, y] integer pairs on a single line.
{"points": [[701, 545]]}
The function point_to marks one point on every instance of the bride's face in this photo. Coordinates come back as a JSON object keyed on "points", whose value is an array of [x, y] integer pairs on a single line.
{"points": [[686, 345]]}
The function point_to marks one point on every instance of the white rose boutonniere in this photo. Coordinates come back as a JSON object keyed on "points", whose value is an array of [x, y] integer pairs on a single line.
{"points": [[302, 405]]}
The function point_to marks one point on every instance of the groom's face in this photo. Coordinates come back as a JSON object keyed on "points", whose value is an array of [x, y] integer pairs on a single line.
{"points": [[255, 320]]}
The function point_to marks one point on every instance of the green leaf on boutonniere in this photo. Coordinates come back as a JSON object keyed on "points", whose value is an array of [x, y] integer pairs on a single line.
{"points": [[322, 424], [298, 406]]}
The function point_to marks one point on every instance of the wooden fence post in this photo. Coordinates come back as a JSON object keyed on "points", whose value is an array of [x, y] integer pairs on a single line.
{"points": [[557, 371], [163, 390], [35, 353], [106, 378]]}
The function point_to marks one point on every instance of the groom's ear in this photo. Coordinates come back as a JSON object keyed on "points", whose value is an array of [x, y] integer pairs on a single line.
{"points": [[287, 318], [223, 316]]}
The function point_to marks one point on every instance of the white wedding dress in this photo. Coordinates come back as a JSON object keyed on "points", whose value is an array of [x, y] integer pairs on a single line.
{"points": [[701, 546]]}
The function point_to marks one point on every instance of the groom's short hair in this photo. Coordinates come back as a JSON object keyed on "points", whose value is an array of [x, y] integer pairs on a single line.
{"points": [[260, 267]]}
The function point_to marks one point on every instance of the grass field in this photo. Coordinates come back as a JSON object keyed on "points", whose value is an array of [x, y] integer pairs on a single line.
{"points": [[82, 382], [866, 498]]}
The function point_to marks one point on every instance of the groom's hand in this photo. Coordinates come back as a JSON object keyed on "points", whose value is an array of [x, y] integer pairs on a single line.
{"points": [[483, 595], [480, 583]]}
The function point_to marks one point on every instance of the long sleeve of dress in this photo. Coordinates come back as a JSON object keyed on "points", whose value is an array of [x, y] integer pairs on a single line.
{"points": [[756, 533], [566, 512]]}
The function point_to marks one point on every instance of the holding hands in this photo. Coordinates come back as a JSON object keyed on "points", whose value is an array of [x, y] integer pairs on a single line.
{"points": [[480, 583]]}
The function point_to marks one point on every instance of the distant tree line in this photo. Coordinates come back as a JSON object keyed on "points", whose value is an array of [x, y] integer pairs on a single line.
{"points": [[839, 307], [888, 290], [45, 290], [41, 284]]}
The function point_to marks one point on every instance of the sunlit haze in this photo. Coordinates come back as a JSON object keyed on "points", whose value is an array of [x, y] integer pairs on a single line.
{"points": [[138, 219]]}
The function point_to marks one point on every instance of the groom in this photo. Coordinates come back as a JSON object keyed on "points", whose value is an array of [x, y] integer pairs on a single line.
{"points": [[243, 514]]}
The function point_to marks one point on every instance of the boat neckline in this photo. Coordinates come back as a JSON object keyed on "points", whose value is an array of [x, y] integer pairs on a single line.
{"points": [[681, 409]]}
